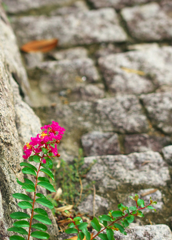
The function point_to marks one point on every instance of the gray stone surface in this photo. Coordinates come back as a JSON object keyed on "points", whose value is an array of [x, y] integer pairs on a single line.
{"points": [[144, 142], [159, 109], [137, 71], [87, 206], [82, 28], [136, 169], [148, 232], [99, 143], [148, 22], [167, 154], [117, 4]]}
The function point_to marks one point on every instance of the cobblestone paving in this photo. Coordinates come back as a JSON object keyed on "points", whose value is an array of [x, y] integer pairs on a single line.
{"points": [[109, 82]]}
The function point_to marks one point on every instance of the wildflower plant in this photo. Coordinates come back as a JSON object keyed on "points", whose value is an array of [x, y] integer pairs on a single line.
{"points": [[41, 150]]}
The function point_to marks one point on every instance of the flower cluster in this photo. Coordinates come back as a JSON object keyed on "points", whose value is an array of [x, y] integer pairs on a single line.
{"points": [[48, 139]]}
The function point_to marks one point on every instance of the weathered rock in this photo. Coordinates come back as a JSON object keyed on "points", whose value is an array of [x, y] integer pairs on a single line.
{"points": [[82, 28], [117, 4], [144, 142], [17, 6], [159, 109], [107, 49], [87, 206], [60, 75], [167, 6], [167, 153], [98, 143], [33, 59], [137, 71], [137, 169], [148, 22], [153, 232]]}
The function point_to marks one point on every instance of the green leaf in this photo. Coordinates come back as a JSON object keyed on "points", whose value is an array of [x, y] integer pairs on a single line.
{"points": [[125, 223], [71, 230], [16, 237], [22, 197], [44, 179], [28, 165], [49, 162], [133, 208], [140, 202], [86, 233], [110, 234], [45, 202], [71, 225], [77, 219], [28, 187], [82, 225], [40, 235], [80, 236], [28, 181], [24, 205], [18, 230], [121, 229], [21, 183], [47, 185], [95, 224], [21, 224], [27, 170], [105, 218], [31, 158], [36, 159], [42, 219], [48, 172], [40, 195], [130, 218], [117, 214], [103, 236], [140, 214], [150, 207], [44, 150], [39, 226], [19, 215], [41, 211]]}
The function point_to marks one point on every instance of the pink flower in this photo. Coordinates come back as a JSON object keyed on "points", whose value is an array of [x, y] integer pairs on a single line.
{"points": [[43, 160]]}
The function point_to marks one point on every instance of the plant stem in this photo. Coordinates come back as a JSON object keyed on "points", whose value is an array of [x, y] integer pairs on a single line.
{"points": [[116, 221], [34, 201]]}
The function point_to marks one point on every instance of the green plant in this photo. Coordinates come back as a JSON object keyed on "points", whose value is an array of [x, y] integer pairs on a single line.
{"points": [[41, 150], [69, 178], [105, 225]]}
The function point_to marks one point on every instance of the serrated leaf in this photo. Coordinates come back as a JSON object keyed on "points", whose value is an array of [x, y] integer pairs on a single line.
{"points": [[71, 230], [21, 224], [39, 226], [130, 218], [117, 214], [121, 229], [48, 172], [40, 195], [47, 186], [22, 197], [95, 224], [45, 202], [44, 179], [18, 230], [110, 234], [42, 219], [40, 235], [105, 218], [16, 237], [28, 187], [27, 170], [41, 211], [36, 159], [24, 205], [44, 150], [22, 164], [82, 225], [103, 236], [19, 215]]}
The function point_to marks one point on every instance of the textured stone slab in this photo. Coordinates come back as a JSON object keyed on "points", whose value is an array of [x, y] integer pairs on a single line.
{"points": [[148, 22], [137, 71], [101, 205], [98, 143], [17, 6], [136, 169], [159, 109], [118, 4], [82, 28], [144, 142], [148, 232], [167, 153], [59, 75]]}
